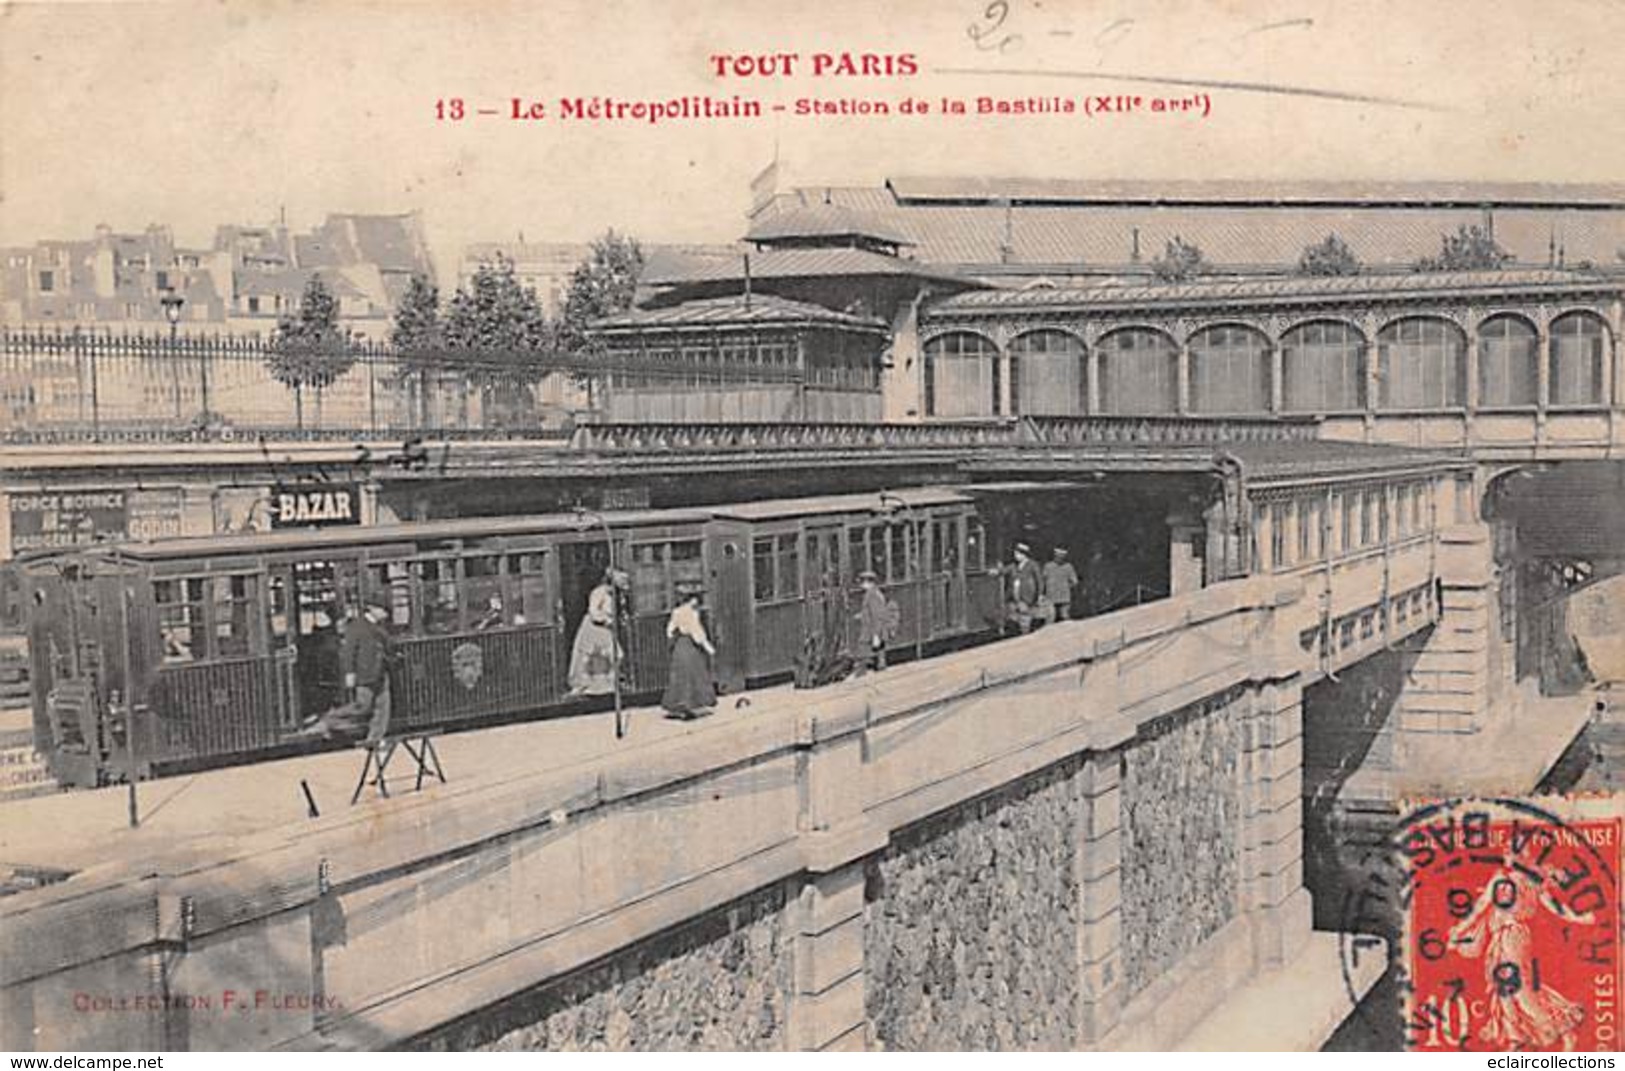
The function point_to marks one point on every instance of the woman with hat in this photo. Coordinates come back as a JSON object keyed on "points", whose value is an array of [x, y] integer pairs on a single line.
{"points": [[596, 655], [689, 692]]}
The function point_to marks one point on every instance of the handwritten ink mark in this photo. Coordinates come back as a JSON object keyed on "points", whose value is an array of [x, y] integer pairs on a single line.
{"points": [[982, 36], [1200, 83]]}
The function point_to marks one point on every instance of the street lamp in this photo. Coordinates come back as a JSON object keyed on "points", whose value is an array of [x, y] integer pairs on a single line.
{"points": [[585, 518], [172, 303], [889, 503]]}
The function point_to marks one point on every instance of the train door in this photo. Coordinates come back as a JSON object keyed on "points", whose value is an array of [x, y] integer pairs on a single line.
{"points": [[945, 576], [307, 601], [733, 622], [825, 586], [582, 565]]}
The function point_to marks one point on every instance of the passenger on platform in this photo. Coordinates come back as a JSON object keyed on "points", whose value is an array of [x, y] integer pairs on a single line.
{"points": [[874, 624], [364, 656], [596, 656], [689, 691], [1060, 581], [1026, 586]]}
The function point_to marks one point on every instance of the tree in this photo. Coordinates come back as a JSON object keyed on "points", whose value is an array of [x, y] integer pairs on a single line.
{"points": [[501, 328], [419, 340], [1471, 248], [309, 350], [602, 285], [1329, 256], [1180, 261]]}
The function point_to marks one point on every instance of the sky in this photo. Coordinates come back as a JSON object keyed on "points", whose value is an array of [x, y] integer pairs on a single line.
{"points": [[194, 114]]}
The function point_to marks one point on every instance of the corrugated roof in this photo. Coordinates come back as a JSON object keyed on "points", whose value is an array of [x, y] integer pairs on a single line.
{"points": [[1267, 289], [801, 264], [1254, 191], [1242, 235], [826, 221], [759, 311], [1266, 462]]}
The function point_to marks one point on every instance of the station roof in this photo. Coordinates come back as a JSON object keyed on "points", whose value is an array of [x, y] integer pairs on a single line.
{"points": [[807, 264], [826, 221], [1057, 226], [1229, 291], [1297, 462], [912, 188], [735, 310]]}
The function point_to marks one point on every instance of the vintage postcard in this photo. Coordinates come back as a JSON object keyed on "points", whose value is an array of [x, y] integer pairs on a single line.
{"points": [[906, 526]]}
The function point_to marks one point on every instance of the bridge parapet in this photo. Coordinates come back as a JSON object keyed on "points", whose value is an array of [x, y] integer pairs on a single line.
{"points": [[795, 857]]}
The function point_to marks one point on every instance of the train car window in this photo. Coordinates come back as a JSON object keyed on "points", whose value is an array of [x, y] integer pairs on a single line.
{"points": [[1259, 564], [180, 619], [904, 551], [764, 585], [975, 544], [1306, 527], [482, 592], [528, 572], [232, 614], [1350, 504], [687, 566], [1368, 519], [437, 594], [648, 579], [945, 546], [857, 549], [823, 562], [776, 567], [1312, 529], [392, 581], [279, 607]]}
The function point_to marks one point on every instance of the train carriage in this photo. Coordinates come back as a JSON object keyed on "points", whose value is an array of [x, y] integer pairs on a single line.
{"points": [[217, 649]]}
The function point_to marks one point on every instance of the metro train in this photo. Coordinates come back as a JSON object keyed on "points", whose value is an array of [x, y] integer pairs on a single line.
{"points": [[185, 653]]}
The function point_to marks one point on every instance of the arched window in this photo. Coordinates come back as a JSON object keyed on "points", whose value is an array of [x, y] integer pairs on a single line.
{"points": [[1230, 370], [1422, 364], [1139, 373], [1047, 375], [1508, 372], [1322, 368], [961, 376], [1579, 350]]}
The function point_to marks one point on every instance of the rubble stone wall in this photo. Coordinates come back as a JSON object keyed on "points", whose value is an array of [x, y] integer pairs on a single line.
{"points": [[971, 923], [720, 983], [1181, 790]]}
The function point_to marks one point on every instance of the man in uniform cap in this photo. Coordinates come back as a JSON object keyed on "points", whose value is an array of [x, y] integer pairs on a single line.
{"points": [[1026, 587]]}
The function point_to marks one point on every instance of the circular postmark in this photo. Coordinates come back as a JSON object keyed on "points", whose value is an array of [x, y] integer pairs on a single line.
{"points": [[1500, 924]]}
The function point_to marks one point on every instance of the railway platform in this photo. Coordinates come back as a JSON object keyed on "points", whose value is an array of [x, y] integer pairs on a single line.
{"points": [[74, 831]]}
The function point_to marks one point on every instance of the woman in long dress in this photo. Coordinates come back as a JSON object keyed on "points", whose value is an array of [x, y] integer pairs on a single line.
{"points": [[689, 692], [596, 656]]}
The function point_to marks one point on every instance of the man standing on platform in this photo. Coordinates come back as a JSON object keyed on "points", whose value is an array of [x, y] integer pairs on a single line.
{"points": [[1026, 587], [1060, 580], [874, 624]]}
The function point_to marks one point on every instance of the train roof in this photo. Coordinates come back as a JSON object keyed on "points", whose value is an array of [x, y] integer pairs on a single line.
{"points": [[495, 527], [401, 532], [869, 502]]}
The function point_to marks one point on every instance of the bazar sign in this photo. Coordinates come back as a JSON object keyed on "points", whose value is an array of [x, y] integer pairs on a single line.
{"points": [[67, 518], [319, 505]]}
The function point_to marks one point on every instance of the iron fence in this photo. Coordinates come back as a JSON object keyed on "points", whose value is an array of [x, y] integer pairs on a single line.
{"points": [[99, 386]]}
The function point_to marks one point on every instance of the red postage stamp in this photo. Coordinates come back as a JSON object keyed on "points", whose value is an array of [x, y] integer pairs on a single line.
{"points": [[1512, 929]]}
